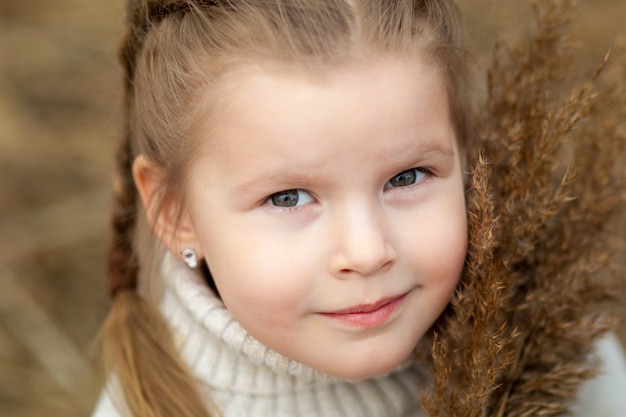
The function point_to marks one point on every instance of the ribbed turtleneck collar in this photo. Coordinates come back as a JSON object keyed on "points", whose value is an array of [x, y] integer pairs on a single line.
{"points": [[245, 378]]}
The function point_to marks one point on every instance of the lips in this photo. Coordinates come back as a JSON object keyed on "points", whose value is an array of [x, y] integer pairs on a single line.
{"points": [[368, 315]]}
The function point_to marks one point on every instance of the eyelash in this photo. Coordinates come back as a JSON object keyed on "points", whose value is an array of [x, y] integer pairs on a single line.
{"points": [[425, 172], [269, 200]]}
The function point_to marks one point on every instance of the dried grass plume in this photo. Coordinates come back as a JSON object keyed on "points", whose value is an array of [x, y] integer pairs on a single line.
{"points": [[547, 183]]}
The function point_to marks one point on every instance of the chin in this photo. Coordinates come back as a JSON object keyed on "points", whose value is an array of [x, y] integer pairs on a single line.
{"points": [[367, 369]]}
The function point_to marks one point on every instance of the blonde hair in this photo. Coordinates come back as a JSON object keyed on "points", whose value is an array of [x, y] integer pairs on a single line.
{"points": [[173, 54]]}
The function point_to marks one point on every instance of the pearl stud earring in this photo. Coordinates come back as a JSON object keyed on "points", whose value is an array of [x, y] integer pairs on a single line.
{"points": [[190, 257]]}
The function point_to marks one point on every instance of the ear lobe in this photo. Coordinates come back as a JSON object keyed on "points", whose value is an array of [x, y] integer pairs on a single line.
{"points": [[170, 221]]}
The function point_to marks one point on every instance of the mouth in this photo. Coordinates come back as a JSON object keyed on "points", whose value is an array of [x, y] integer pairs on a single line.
{"points": [[368, 315]]}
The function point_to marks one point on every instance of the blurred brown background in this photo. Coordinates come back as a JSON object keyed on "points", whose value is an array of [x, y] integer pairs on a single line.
{"points": [[59, 118]]}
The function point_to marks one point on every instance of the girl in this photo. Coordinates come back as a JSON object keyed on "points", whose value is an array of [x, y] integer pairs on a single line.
{"points": [[291, 216]]}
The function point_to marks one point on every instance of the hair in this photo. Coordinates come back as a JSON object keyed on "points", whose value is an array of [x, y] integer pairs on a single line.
{"points": [[173, 54]]}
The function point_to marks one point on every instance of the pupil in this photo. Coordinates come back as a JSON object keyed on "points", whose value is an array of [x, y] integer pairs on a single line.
{"points": [[403, 179], [285, 199]]}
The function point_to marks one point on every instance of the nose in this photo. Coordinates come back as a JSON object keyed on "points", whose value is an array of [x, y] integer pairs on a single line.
{"points": [[360, 241]]}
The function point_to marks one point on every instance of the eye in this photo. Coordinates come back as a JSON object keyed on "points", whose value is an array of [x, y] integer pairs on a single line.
{"points": [[406, 178], [290, 198]]}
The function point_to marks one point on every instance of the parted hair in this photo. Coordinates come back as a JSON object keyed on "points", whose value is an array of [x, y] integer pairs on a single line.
{"points": [[173, 55]]}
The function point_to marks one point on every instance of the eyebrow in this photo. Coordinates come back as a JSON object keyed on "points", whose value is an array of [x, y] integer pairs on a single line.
{"points": [[436, 149], [287, 178], [284, 179], [430, 150]]}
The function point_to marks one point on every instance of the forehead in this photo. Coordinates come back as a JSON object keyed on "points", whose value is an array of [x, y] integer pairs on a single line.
{"points": [[266, 83], [276, 106]]}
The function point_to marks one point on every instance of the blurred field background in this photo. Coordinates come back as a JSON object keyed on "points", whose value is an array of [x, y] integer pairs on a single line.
{"points": [[60, 100]]}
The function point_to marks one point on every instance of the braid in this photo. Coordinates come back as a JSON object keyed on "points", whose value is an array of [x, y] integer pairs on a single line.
{"points": [[122, 261], [142, 14]]}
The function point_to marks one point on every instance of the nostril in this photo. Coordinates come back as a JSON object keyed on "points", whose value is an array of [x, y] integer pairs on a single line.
{"points": [[365, 270]]}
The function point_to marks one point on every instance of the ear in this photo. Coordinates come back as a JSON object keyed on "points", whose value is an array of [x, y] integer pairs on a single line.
{"points": [[166, 215]]}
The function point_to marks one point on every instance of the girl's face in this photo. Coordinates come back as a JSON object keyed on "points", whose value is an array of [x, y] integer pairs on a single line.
{"points": [[330, 208]]}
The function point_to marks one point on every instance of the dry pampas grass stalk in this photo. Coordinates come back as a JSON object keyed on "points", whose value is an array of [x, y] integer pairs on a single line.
{"points": [[548, 180]]}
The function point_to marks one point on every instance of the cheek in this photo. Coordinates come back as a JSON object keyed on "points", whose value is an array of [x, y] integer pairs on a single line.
{"points": [[453, 243], [450, 243], [439, 262], [261, 282], [439, 246]]}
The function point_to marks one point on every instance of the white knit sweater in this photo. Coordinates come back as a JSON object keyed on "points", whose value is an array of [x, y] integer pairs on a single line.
{"points": [[245, 378]]}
